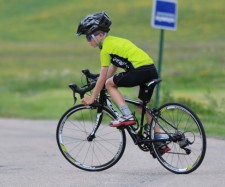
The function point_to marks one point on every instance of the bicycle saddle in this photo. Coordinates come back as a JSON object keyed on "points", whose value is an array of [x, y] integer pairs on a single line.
{"points": [[152, 83]]}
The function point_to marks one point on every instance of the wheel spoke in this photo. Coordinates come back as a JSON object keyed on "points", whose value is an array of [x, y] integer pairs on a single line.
{"points": [[100, 153], [189, 129]]}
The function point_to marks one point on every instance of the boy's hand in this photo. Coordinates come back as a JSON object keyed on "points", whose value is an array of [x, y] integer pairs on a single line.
{"points": [[87, 100]]}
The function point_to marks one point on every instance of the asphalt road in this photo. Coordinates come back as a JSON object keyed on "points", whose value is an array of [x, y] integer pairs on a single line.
{"points": [[30, 157]]}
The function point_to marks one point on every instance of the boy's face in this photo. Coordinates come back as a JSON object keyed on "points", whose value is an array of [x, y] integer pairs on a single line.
{"points": [[94, 41]]}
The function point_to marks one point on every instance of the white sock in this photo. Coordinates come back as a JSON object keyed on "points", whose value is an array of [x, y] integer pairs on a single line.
{"points": [[125, 110]]}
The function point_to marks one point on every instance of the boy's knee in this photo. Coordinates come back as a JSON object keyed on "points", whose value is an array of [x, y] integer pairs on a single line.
{"points": [[109, 83]]}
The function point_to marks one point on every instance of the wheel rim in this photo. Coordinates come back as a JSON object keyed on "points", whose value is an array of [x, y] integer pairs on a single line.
{"points": [[178, 159], [100, 153]]}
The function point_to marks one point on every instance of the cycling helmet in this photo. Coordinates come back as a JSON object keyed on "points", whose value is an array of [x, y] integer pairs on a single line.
{"points": [[94, 22]]}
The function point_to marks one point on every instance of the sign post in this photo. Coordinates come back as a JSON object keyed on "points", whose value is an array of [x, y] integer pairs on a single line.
{"points": [[164, 17]]}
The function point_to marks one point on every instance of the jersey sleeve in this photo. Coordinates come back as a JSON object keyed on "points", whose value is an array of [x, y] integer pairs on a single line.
{"points": [[105, 58]]}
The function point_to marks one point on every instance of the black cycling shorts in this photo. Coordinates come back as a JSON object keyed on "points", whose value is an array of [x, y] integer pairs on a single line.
{"points": [[136, 77]]}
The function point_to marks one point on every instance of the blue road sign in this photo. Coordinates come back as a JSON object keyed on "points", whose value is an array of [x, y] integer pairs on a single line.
{"points": [[164, 14]]}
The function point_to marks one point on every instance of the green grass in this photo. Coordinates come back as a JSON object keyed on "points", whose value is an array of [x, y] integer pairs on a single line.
{"points": [[39, 55]]}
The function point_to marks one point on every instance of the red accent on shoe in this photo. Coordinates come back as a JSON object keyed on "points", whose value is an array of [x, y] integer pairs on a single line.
{"points": [[125, 123]]}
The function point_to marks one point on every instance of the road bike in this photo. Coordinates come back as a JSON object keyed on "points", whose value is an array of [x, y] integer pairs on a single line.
{"points": [[86, 140]]}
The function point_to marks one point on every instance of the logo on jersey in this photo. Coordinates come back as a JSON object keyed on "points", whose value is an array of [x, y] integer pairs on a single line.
{"points": [[121, 62]]}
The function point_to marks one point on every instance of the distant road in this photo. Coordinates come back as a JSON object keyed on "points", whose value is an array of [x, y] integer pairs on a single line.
{"points": [[30, 157]]}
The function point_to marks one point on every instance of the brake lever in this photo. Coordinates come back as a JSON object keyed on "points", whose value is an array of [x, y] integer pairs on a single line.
{"points": [[89, 75], [74, 97]]}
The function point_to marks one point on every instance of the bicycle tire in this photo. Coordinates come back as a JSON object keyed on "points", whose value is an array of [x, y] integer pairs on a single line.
{"points": [[183, 158], [102, 152]]}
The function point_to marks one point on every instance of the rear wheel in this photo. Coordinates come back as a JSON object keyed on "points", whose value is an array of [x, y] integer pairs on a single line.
{"points": [[183, 133], [99, 153]]}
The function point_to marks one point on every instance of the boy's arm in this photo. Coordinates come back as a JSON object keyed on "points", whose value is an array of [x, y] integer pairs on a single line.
{"points": [[100, 82], [98, 87]]}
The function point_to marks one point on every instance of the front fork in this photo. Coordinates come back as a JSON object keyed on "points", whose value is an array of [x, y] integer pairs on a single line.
{"points": [[99, 115], [96, 126], [99, 105]]}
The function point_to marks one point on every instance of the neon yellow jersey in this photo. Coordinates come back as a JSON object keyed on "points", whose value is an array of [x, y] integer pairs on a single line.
{"points": [[123, 53]]}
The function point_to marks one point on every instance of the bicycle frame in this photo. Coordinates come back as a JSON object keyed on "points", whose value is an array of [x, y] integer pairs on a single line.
{"points": [[136, 134]]}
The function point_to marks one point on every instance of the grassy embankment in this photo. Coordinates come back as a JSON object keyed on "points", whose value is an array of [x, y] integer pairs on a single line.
{"points": [[39, 55]]}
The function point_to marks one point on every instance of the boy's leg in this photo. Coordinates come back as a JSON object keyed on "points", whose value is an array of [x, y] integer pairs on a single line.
{"points": [[114, 92], [149, 119], [162, 147], [127, 118]]}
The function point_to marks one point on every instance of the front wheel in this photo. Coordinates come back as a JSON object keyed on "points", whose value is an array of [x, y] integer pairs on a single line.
{"points": [[98, 153], [183, 133]]}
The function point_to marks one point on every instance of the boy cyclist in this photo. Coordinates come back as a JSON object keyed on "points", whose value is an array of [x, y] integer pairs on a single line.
{"points": [[116, 52]]}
